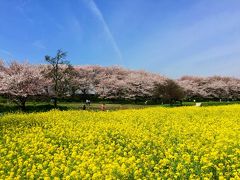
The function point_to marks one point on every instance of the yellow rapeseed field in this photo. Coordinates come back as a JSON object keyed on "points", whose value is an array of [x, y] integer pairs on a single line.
{"points": [[152, 143]]}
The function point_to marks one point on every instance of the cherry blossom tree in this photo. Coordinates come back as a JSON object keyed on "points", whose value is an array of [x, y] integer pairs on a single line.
{"points": [[212, 88], [20, 81], [193, 87], [84, 80], [118, 83], [59, 79]]}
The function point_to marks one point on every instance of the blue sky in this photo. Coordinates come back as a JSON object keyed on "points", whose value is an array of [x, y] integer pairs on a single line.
{"points": [[170, 37]]}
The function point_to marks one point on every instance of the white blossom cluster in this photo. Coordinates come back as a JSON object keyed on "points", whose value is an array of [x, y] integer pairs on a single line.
{"points": [[215, 87]]}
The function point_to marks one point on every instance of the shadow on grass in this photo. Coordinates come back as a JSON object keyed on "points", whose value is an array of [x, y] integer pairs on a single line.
{"points": [[29, 108], [43, 107]]}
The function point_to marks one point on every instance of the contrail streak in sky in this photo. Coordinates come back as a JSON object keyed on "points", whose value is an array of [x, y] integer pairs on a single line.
{"points": [[93, 6], [9, 54]]}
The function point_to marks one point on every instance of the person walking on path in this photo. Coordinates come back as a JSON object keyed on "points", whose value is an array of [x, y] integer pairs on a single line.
{"points": [[103, 107]]}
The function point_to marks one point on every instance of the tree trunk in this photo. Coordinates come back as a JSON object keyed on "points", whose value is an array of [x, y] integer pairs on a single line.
{"points": [[23, 104], [84, 95], [55, 102], [23, 107], [181, 102]]}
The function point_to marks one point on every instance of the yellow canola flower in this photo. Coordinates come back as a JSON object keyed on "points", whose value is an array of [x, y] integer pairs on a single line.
{"points": [[151, 143]]}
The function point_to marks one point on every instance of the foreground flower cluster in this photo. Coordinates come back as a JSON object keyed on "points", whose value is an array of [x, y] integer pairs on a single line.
{"points": [[184, 143]]}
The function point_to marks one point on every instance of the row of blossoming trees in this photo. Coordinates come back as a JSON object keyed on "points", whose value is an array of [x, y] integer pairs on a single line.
{"points": [[210, 88], [58, 79]]}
